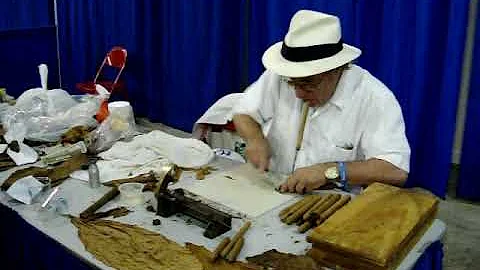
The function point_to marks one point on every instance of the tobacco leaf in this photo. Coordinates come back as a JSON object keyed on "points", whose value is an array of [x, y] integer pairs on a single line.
{"points": [[114, 212], [5, 165], [124, 246], [273, 259], [34, 171], [56, 174], [64, 170], [75, 134], [143, 178], [204, 256], [5, 157]]}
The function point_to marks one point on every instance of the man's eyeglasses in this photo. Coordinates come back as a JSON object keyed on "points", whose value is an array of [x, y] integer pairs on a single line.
{"points": [[309, 83]]}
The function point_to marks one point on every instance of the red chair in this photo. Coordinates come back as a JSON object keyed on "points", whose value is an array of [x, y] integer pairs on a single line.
{"points": [[115, 58]]}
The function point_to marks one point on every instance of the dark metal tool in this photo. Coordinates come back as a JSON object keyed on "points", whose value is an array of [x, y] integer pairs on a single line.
{"points": [[175, 201]]}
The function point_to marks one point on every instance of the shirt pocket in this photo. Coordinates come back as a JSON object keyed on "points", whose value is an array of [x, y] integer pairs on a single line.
{"points": [[342, 149]]}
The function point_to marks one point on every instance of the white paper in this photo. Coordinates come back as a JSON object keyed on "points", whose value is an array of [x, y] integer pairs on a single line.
{"points": [[119, 169], [3, 147], [24, 156], [242, 189], [25, 189]]}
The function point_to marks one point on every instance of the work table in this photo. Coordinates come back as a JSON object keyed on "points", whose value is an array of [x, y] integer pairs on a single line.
{"points": [[267, 231]]}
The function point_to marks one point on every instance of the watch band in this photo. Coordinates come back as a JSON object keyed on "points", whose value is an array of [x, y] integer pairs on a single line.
{"points": [[342, 171]]}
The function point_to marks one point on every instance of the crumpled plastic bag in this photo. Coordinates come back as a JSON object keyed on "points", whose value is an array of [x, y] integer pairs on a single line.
{"points": [[47, 114], [120, 124], [16, 132]]}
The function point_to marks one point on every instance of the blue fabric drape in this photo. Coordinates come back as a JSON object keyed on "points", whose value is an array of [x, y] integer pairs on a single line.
{"points": [[468, 183], [22, 14], [27, 39], [432, 258], [182, 55], [414, 47], [21, 51], [22, 246]]}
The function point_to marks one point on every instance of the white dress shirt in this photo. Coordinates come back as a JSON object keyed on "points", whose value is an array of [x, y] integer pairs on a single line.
{"points": [[362, 120]]}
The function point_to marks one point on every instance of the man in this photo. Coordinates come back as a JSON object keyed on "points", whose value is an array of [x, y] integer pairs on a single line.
{"points": [[354, 133]]}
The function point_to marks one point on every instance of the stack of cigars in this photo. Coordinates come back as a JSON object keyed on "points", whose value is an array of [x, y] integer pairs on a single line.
{"points": [[230, 248], [313, 210]]}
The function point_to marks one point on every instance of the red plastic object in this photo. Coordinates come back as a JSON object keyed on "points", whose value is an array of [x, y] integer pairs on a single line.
{"points": [[102, 112]]}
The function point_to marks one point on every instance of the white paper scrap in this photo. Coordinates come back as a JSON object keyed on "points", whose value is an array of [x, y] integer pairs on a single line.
{"points": [[25, 189]]}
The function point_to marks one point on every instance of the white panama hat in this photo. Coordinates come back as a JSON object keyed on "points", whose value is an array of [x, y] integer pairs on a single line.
{"points": [[312, 45]]}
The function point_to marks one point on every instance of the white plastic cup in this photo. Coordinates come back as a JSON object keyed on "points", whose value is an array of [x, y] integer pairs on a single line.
{"points": [[121, 110], [131, 194]]}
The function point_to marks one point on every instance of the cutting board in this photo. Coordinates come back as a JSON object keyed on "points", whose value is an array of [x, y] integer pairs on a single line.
{"points": [[377, 226], [242, 189]]}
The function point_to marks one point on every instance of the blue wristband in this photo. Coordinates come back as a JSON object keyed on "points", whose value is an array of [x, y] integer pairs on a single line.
{"points": [[342, 170]]}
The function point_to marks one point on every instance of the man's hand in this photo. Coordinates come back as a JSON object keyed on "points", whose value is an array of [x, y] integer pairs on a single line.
{"points": [[305, 179], [258, 153]]}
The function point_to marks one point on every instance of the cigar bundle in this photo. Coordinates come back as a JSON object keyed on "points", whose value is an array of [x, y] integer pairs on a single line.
{"points": [[230, 248], [313, 210]]}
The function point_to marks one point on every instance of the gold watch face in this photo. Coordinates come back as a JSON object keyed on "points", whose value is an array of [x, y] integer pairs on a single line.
{"points": [[331, 173]]}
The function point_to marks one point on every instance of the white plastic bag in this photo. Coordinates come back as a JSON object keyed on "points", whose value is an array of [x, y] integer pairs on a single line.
{"points": [[47, 114], [16, 132], [120, 124]]}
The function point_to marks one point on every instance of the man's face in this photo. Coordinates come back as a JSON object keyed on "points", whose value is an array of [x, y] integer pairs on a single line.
{"points": [[316, 90]]}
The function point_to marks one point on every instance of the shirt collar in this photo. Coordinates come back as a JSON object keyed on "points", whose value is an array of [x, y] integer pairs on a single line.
{"points": [[343, 93]]}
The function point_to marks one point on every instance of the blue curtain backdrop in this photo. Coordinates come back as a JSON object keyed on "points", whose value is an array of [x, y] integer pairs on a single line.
{"points": [[25, 14], [185, 55], [414, 47], [182, 55], [468, 182], [27, 39]]}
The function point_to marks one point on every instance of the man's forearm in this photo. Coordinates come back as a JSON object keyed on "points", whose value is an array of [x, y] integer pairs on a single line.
{"points": [[369, 171], [247, 128], [374, 170]]}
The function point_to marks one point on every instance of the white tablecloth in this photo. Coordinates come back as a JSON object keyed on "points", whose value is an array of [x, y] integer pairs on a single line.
{"points": [[266, 232]]}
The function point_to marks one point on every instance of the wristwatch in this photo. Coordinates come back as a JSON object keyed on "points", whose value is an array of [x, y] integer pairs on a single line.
{"points": [[338, 174], [332, 173]]}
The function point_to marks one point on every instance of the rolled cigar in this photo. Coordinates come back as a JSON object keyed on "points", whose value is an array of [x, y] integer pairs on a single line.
{"points": [[300, 220], [307, 224], [315, 213], [339, 204], [316, 205], [313, 218], [143, 178], [310, 218], [101, 202], [315, 210], [235, 238], [301, 129], [219, 248], [299, 213], [232, 255], [297, 206], [288, 208]]}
